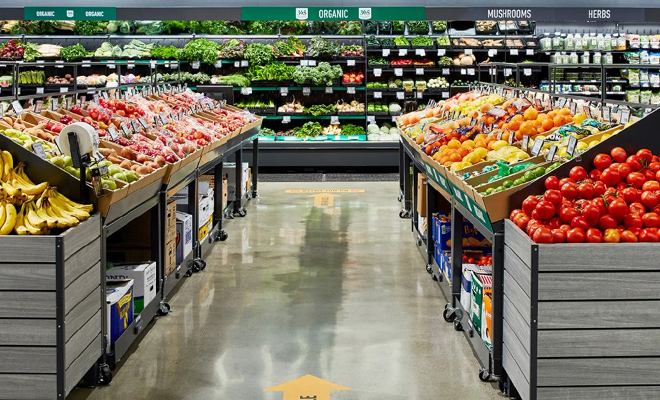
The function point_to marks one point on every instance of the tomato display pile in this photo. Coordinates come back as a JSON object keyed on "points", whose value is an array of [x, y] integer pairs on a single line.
{"points": [[483, 261], [617, 201]]}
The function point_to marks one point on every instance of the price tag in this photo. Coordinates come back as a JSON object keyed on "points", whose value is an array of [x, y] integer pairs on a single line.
{"points": [[573, 107], [536, 147], [180, 115], [135, 126], [126, 129], [513, 52], [492, 52], [512, 137], [113, 132], [237, 64], [284, 91], [246, 91], [468, 51], [420, 95], [386, 52], [306, 91], [334, 120], [562, 102], [17, 107], [64, 90], [286, 119], [625, 115], [419, 71], [572, 144], [441, 52], [105, 95], [445, 71], [463, 71], [398, 71], [38, 149], [499, 135], [195, 65], [371, 119], [378, 95], [470, 71], [587, 111], [53, 104], [606, 113], [508, 72], [175, 65], [40, 90], [527, 71], [58, 64], [37, 107], [163, 117], [244, 63], [525, 142], [420, 52], [394, 118], [403, 52], [492, 71], [378, 72], [68, 103], [400, 95], [111, 65], [143, 123], [350, 63], [329, 90], [218, 64], [445, 95], [350, 90], [551, 153], [130, 65]]}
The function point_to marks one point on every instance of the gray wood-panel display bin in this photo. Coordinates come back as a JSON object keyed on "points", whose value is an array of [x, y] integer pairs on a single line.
{"points": [[581, 321], [50, 329]]}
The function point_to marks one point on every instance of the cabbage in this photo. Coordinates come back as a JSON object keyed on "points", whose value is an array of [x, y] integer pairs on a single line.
{"points": [[373, 129], [394, 107], [384, 129], [394, 131]]}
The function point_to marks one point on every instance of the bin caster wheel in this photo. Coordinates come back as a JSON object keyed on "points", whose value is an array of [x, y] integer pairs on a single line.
{"points": [[484, 375], [200, 264], [435, 278], [458, 326], [429, 268], [223, 236], [189, 273], [400, 198], [449, 315], [105, 374], [164, 309], [503, 385], [404, 214]]}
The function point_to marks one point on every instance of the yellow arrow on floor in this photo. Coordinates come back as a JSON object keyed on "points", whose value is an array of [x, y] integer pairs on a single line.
{"points": [[306, 387], [324, 199]]}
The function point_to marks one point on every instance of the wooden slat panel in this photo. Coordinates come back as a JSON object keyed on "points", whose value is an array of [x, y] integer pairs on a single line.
{"points": [[27, 276], [518, 241], [599, 286], [517, 350], [81, 313], [517, 323], [600, 393], [82, 364], [518, 270], [80, 262], [515, 374], [81, 235], [27, 332], [29, 360], [599, 314], [28, 387], [81, 287], [81, 339], [34, 249], [590, 343], [596, 257], [517, 296], [598, 371], [27, 305]]}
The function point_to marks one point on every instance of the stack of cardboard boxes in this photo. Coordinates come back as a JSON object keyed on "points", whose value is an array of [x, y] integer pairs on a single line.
{"points": [[184, 236], [170, 238], [230, 170]]}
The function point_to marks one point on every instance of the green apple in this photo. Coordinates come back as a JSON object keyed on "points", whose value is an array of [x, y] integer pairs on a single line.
{"points": [[108, 184], [68, 161], [73, 171], [114, 169], [58, 160]]}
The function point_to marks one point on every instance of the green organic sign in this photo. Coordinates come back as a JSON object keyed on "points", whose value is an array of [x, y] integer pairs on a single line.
{"points": [[332, 13], [481, 215], [69, 13]]}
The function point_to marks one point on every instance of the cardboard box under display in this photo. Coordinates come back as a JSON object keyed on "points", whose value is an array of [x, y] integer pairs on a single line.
{"points": [[230, 170], [184, 236], [170, 221], [144, 278], [120, 308]]}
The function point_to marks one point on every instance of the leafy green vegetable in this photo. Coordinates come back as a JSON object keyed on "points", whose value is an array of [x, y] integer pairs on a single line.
{"points": [[90, 27], [164, 52], [31, 53], [324, 27], [387, 42], [320, 109], [172, 27], [398, 26], [401, 41], [199, 50], [350, 28], [199, 77], [275, 71], [371, 27], [149, 28], [421, 41], [309, 129], [323, 74], [293, 27], [323, 48], [259, 53], [418, 26], [232, 79], [439, 26], [266, 132], [373, 41], [262, 27], [232, 48], [384, 27], [75, 52], [352, 130]]}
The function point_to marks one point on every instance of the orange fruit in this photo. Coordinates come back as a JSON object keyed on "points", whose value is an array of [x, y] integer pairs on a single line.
{"points": [[564, 111], [526, 128], [519, 135], [455, 157], [542, 117], [518, 117], [547, 124], [558, 121], [531, 114], [540, 129], [481, 136], [505, 136], [552, 114], [443, 160], [463, 151], [514, 124], [454, 144]]}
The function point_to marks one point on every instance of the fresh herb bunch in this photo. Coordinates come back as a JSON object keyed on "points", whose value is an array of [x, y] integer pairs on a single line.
{"points": [[350, 28], [309, 129], [373, 41], [398, 26], [198, 78], [352, 130], [259, 54], [262, 27], [292, 47], [401, 41], [387, 42], [75, 52], [266, 132], [90, 27], [293, 27], [421, 41], [199, 50], [320, 109], [173, 27], [377, 60], [371, 27], [384, 27], [418, 26], [439, 26], [232, 48], [164, 52], [323, 74], [31, 53], [323, 48], [275, 71], [237, 80]]}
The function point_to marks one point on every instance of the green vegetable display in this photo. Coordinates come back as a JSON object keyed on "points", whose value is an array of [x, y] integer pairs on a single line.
{"points": [[238, 80], [384, 27], [352, 130], [90, 28], [137, 49], [443, 41], [372, 41], [422, 41], [320, 109], [199, 50], [199, 77], [377, 60], [256, 102], [266, 132], [439, 26], [528, 176], [401, 41], [164, 52], [149, 28], [75, 52], [107, 50], [309, 129], [293, 27], [387, 42], [291, 47], [31, 53], [275, 71], [350, 28], [262, 27], [120, 27], [418, 26], [323, 74], [232, 48], [173, 27], [445, 61], [398, 26], [259, 53], [323, 48]]}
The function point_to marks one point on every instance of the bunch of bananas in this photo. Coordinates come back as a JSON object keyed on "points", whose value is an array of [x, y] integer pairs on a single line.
{"points": [[33, 209]]}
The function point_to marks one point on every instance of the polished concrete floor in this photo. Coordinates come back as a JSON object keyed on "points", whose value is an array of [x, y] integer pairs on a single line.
{"points": [[329, 287]]}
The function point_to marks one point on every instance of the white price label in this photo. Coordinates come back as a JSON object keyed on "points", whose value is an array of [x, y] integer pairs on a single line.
{"points": [[536, 147], [286, 119], [284, 91], [112, 132], [606, 113], [246, 91], [492, 71], [527, 71], [445, 95], [378, 95], [244, 63], [468, 51], [195, 65], [445, 71], [18, 109], [386, 52], [311, 63], [400, 95], [306, 91], [64, 90], [441, 52], [38, 149], [237, 64], [378, 72], [525, 142], [403, 52], [130, 65], [350, 63], [420, 52], [625, 115], [40, 90], [58, 64], [371, 119], [420, 95], [329, 90], [419, 71], [175, 65], [508, 72], [572, 144], [492, 52], [463, 71], [398, 71], [529, 52], [551, 153], [350, 90], [218, 64], [334, 120], [152, 64], [513, 52], [394, 118], [38, 107], [470, 71]]}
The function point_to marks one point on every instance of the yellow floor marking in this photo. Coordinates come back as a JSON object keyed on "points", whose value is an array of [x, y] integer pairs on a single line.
{"points": [[306, 387]]}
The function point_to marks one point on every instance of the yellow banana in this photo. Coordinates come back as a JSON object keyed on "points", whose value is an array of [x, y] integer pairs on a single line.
{"points": [[66, 209], [32, 230], [2, 168], [8, 163], [33, 218], [10, 190], [41, 213], [84, 207], [19, 171], [2, 213], [19, 228], [64, 220], [10, 221]]}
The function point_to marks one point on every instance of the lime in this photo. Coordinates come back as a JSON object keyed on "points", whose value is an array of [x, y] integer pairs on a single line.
{"points": [[507, 183], [538, 172], [518, 181], [489, 191], [528, 176]]}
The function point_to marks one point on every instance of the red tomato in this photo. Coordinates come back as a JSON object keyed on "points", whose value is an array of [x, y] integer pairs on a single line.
{"points": [[628, 237], [577, 174], [558, 235], [514, 213], [648, 174], [657, 176], [529, 204], [569, 190], [632, 221], [594, 235], [618, 209], [580, 222], [636, 179], [600, 203], [552, 182], [645, 154], [591, 213], [599, 188], [635, 230], [563, 181], [602, 161], [594, 174], [522, 220], [637, 208], [565, 227], [554, 223], [566, 214], [585, 190], [610, 177], [612, 236], [634, 163], [624, 170], [532, 225], [618, 154], [553, 196], [651, 220], [647, 235], [630, 194], [656, 209], [545, 210], [654, 167], [606, 222], [649, 200], [542, 235], [575, 235]]}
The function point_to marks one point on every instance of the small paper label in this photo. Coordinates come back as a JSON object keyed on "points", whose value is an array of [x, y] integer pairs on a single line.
{"points": [[527, 71], [512, 137], [334, 120], [37, 107], [113, 132], [244, 63], [378, 95], [499, 135], [420, 52], [378, 72], [492, 53], [398, 71], [420, 95], [237, 64], [311, 63], [306, 91], [445, 95], [350, 90], [403, 52], [394, 118], [126, 129], [507, 72], [40, 90], [143, 123], [441, 52], [529, 52], [135, 125], [463, 71], [163, 117], [195, 65], [329, 90], [286, 119], [606, 113], [38, 149], [419, 71], [445, 71], [625, 115], [350, 63], [470, 71], [246, 90], [572, 144], [468, 51], [130, 65], [371, 119], [536, 147], [514, 52], [18, 109], [573, 107], [386, 52], [562, 102], [64, 90], [400, 95], [284, 91], [218, 64], [551, 153]]}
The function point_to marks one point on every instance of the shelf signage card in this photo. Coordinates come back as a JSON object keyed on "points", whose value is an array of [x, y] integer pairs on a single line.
{"points": [[69, 13], [332, 13], [606, 113], [350, 63], [572, 144], [350, 90]]}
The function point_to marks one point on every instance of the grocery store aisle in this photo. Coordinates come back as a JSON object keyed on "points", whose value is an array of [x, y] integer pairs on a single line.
{"points": [[331, 286]]}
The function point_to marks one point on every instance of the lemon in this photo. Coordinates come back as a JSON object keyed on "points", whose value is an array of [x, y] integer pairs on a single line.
{"points": [[579, 118], [497, 145], [582, 145]]}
